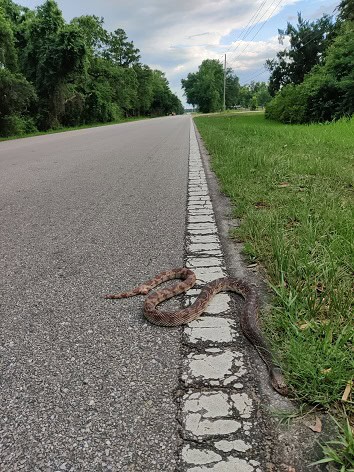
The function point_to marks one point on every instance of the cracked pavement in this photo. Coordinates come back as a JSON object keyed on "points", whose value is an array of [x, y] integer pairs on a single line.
{"points": [[218, 414]]}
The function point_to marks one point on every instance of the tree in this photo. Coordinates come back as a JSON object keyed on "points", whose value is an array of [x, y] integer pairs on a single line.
{"points": [[40, 33], [253, 95], [245, 96], [263, 95], [164, 101], [145, 92], [346, 10], [11, 11], [190, 86], [125, 86], [205, 87], [95, 36], [16, 92], [232, 93], [54, 56], [121, 51], [308, 43], [8, 54]]}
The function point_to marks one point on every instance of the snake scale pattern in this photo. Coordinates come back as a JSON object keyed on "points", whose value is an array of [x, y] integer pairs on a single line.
{"points": [[249, 317]]}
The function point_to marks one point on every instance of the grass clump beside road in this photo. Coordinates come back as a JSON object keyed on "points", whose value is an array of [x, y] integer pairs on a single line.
{"points": [[292, 185]]}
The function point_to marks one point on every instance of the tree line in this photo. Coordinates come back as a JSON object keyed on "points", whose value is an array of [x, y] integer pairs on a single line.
{"points": [[54, 73], [311, 80]]}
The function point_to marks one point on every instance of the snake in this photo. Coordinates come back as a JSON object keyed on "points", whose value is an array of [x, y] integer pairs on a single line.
{"points": [[249, 319]]}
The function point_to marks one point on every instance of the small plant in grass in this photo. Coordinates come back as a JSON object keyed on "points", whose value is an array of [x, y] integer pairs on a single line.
{"points": [[285, 417], [341, 451]]}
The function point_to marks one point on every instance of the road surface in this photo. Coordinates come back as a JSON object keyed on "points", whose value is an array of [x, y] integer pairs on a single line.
{"points": [[87, 384]]}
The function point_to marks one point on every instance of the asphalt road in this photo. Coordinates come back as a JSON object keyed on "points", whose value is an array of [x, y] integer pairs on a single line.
{"points": [[86, 383]]}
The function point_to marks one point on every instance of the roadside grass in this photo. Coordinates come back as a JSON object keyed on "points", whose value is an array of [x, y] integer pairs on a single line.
{"points": [[73, 128], [292, 185], [341, 451]]}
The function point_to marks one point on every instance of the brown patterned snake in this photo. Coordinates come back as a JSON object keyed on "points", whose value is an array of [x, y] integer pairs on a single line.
{"points": [[249, 317]]}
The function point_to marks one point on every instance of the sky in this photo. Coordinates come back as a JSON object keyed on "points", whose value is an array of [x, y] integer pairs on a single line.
{"points": [[175, 36]]}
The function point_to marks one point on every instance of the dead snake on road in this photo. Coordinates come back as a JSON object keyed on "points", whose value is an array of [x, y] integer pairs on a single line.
{"points": [[249, 317]]}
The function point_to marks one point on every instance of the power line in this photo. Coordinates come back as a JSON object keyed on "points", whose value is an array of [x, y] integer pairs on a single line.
{"points": [[255, 76], [261, 71], [259, 29], [246, 30], [243, 32]]}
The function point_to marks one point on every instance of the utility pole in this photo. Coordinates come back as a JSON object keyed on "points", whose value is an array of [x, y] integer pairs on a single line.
{"points": [[224, 102]]}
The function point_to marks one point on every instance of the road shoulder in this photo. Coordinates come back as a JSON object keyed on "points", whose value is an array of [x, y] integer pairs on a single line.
{"points": [[227, 404]]}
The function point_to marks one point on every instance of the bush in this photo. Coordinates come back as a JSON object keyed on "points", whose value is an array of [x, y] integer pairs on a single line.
{"points": [[253, 103], [327, 92], [288, 106], [74, 107], [17, 94], [99, 109], [323, 97], [319, 98], [14, 125]]}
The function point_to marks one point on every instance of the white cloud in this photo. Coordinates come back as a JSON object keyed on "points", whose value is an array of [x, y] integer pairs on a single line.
{"points": [[176, 37]]}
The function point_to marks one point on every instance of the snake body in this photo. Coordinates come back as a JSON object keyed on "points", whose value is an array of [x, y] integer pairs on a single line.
{"points": [[249, 317]]}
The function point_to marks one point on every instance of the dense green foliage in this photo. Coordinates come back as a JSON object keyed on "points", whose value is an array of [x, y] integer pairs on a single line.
{"points": [[205, 88], [54, 73], [326, 91], [292, 188]]}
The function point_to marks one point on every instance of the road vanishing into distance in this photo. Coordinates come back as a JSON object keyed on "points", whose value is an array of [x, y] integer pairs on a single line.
{"points": [[87, 383]]}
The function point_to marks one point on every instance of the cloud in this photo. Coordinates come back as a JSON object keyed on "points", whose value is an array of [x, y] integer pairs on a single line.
{"points": [[176, 37]]}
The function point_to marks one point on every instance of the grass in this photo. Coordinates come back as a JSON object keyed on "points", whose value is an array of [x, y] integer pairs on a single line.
{"points": [[73, 128], [285, 417], [292, 185], [341, 451]]}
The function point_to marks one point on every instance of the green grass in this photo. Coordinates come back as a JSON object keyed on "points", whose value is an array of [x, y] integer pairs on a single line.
{"points": [[73, 128], [292, 185], [341, 451]]}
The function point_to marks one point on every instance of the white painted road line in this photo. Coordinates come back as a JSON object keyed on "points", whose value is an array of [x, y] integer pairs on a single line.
{"points": [[217, 413]]}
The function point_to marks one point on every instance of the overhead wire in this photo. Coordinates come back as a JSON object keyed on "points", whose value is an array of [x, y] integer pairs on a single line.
{"points": [[259, 20], [259, 29], [247, 30], [287, 47], [244, 32]]}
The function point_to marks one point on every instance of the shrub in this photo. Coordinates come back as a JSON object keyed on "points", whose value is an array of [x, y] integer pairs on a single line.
{"points": [[253, 103], [288, 106], [323, 97], [99, 108], [327, 92], [74, 107], [14, 125]]}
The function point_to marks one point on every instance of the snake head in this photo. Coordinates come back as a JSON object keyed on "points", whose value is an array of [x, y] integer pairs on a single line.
{"points": [[278, 382]]}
